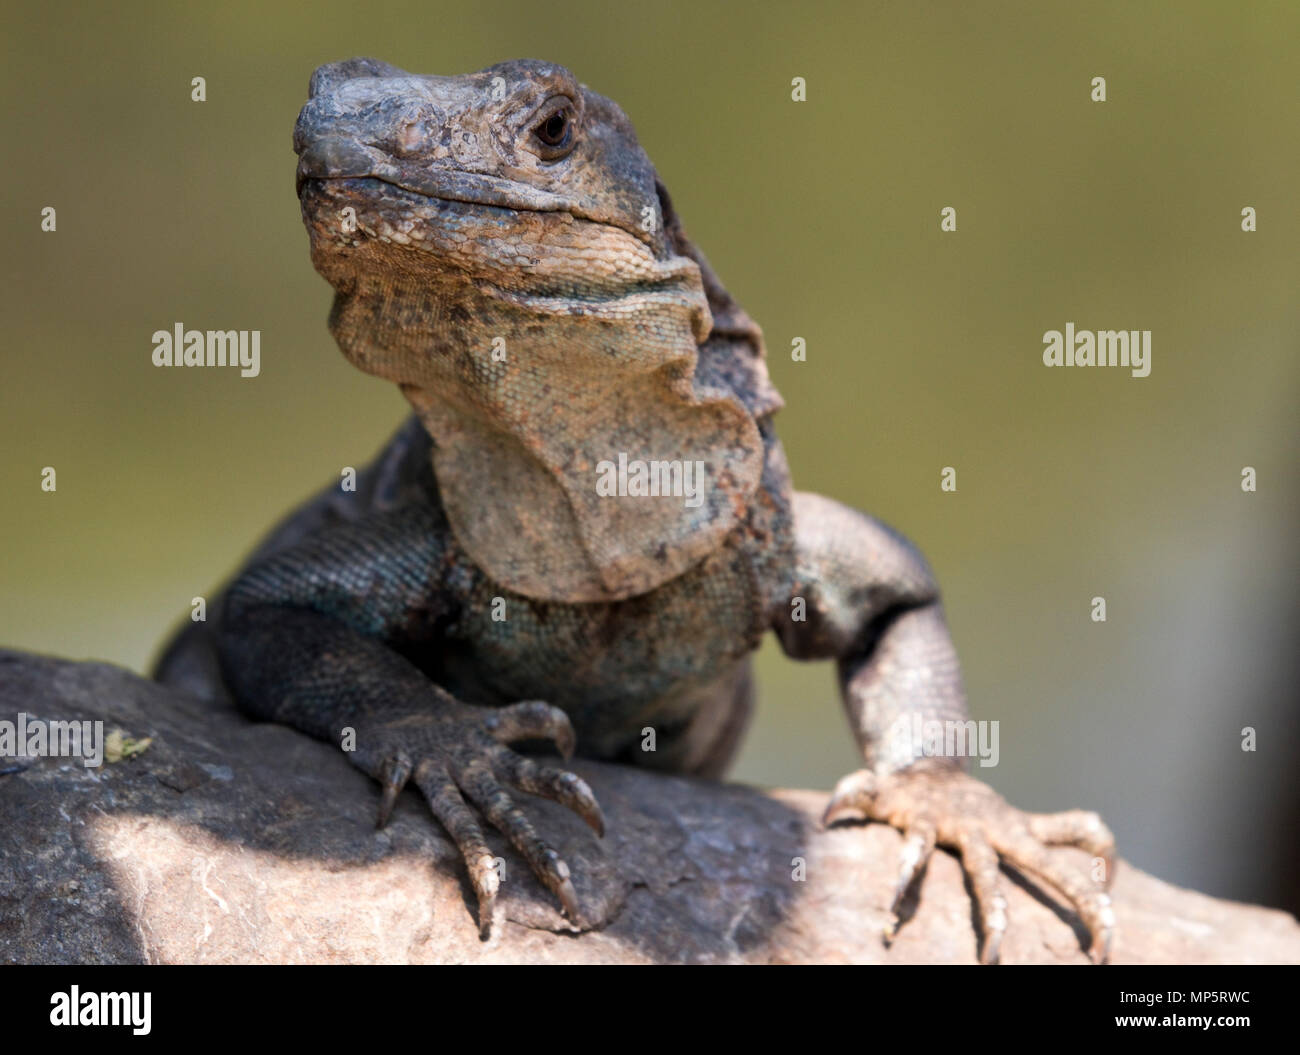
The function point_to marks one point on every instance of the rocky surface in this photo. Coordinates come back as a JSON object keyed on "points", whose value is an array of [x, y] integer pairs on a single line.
{"points": [[226, 841]]}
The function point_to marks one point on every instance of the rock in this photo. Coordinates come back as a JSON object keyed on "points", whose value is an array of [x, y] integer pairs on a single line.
{"points": [[226, 841]]}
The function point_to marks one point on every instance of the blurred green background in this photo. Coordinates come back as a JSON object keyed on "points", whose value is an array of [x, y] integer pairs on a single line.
{"points": [[823, 220]]}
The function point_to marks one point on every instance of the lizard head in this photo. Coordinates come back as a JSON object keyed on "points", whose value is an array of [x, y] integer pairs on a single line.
{"points": [[521, 135], [501, 247]]}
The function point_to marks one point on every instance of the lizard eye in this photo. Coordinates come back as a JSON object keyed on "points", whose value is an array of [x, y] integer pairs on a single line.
{"points": [[555, 131]]}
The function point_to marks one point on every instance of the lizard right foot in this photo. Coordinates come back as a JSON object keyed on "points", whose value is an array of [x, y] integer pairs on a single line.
{"points": [[459, 753]]}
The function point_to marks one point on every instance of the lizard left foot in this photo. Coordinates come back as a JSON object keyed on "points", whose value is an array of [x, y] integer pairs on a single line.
{"points": [[951, 809]]}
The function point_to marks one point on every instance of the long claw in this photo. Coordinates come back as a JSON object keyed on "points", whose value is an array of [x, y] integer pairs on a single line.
{"points": [[393, 776], [917, 848], [563, 887], [992, 948], [534, 720], [487, 882], [852, 798], [1105, 932], [568, 789], [1081, 828]]}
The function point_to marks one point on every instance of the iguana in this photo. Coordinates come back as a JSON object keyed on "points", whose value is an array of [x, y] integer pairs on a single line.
{"points": [[588, 524]]}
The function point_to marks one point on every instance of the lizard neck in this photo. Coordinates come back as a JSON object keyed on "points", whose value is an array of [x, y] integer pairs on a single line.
{"points": [[531, 397]]}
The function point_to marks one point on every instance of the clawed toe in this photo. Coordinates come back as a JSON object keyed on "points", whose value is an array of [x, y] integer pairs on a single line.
{"points": [[559, 785], [533, 720], [449, 807], [393, 777], [1081, 828], [918, 847], [979, 860], [852, 798]]}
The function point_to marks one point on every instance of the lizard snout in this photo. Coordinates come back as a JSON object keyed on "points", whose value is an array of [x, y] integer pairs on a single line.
{"points": [[332, 157]]}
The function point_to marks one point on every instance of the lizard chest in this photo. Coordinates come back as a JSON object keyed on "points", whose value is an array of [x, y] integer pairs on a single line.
{"points": [[622, 655], [617, 665]]}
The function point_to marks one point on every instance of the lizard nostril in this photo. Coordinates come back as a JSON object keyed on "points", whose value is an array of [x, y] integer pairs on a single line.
{"points": [[414, 129], [411, 137]]}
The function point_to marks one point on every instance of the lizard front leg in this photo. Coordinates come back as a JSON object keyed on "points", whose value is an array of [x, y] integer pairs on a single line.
{"points": [[870, 603], [306, 640]]}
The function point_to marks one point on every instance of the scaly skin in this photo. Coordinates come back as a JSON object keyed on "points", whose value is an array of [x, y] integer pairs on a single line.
{"points": [[501, 247]]}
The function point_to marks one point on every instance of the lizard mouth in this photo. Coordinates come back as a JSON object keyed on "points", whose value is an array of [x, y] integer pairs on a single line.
{"points": [[335, 160], [487, 196], [330, 158], [486, 191]]}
